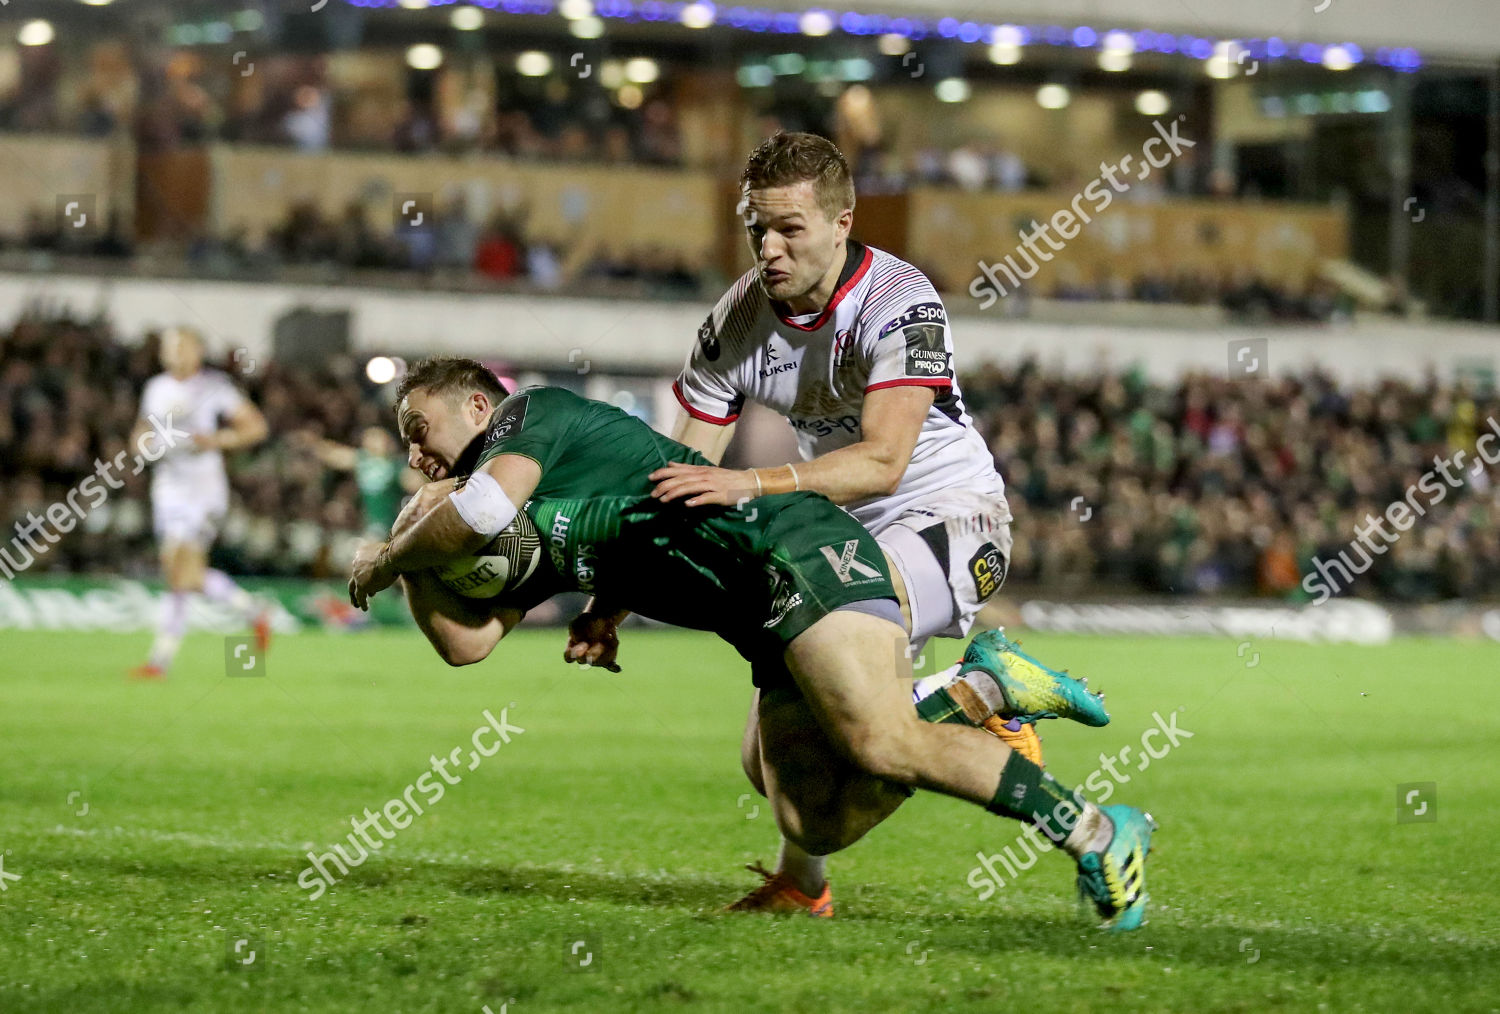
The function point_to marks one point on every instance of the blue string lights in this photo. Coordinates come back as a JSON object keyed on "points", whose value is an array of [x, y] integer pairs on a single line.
{"points": [[752, 19]]}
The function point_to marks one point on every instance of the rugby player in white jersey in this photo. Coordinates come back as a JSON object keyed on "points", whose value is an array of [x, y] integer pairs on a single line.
{"points": [[189, 489], [852, 345]]}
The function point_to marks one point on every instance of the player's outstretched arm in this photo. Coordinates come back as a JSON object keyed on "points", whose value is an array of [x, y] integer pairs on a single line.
{"points": [[448, 529], [890, 423], [461, 631]]}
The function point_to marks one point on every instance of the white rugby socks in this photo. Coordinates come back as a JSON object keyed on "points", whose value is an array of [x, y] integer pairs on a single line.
{"points": [[928, 685]]}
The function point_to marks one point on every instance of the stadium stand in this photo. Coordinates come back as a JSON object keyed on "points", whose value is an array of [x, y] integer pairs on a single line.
{"points": [[1206, 487]]}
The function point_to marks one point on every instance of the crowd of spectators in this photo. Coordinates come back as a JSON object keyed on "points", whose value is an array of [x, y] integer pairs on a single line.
{"points": [[1208, 486], [453, 248], [449, 247], [1220, 486], [1243, 297]]}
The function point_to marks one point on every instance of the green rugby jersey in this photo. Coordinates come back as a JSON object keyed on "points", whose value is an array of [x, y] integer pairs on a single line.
{"points": [[378, 477], [756, 575], [585, 448]]}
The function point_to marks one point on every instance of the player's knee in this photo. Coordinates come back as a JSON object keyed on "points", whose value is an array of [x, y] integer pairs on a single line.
{"points": [[750, 761], [821, 839], [889, 754], [458, 652], [816, 832]]}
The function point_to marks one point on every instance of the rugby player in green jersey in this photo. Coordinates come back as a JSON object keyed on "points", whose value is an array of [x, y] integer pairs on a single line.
{"points": [[796, 585]]}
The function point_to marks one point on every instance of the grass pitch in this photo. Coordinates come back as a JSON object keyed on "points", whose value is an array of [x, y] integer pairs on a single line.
{"points": [[158, 832]]}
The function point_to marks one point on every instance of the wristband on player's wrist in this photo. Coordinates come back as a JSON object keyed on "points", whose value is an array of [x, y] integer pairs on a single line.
{"points": [[781, 479]]}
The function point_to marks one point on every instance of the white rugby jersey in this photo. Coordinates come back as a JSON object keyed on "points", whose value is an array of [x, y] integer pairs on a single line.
{"points": [[196, 405], [884, 327]]}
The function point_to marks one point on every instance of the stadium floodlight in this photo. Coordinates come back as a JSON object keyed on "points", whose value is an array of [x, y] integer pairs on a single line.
{"points": [[1053, 96], [381, 370], [815, 23], [1005, 54], [642, 70], [466, 19], [892, 44], [699, 14], [37, 32], [1152, 102], [953, 89], [1009, 35], [1221, 65], [533, 63], [586, 28], [424, 56], [575, 9], [1338, 58]]}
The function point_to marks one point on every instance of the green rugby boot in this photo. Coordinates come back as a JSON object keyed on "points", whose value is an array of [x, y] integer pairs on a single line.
{"points": [[1021, 687], [1114, 880]]}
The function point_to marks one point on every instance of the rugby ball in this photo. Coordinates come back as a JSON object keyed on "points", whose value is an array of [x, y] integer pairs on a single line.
{"points": [[509, 559]]}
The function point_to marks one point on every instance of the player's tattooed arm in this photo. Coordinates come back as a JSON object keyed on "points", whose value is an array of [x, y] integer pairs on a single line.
{"points": [[439, 535]]}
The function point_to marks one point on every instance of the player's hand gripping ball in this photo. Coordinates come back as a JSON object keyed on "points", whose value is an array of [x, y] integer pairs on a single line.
{"points": [[508, 560]]}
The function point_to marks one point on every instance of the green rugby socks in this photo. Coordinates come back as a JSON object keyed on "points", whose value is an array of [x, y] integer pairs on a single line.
{"points": [[1030, 794]]}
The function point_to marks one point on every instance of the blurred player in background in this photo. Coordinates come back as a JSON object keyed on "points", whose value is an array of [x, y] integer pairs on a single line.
{"points": [[379, 470], [189, 489], [852, 345]]}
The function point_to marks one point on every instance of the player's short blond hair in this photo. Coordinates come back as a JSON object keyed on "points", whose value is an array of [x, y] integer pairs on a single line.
{"points": [[784, 160]]}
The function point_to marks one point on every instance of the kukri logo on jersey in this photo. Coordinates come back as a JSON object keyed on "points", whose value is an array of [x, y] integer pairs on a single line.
{"points": [[774, 365]]}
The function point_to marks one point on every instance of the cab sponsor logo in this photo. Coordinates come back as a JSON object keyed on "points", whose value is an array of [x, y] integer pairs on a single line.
{"points": [[987, 568], [707, 340], [925, 354], [512, 417]]}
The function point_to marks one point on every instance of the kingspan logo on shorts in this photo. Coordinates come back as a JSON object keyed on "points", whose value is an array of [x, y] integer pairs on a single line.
{"points": [[848, 567]]}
